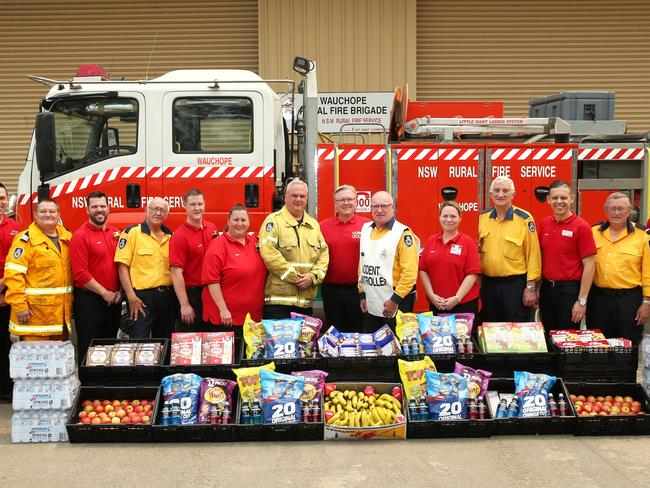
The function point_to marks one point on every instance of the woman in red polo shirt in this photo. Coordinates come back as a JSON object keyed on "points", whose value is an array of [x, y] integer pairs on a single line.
{"points": [[234, 274], [449, 266]]}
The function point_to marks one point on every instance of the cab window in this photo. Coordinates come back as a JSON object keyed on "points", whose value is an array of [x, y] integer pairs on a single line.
{"points": [[213, 125], [91, 129]]}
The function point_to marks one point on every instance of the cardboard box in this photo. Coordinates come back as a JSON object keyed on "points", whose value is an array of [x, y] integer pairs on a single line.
{"points": [[393, 431]]}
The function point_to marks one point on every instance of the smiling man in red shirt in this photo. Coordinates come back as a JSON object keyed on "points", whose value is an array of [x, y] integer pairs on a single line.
{"points": [[342, 233], [97, 297], [187, 248]]}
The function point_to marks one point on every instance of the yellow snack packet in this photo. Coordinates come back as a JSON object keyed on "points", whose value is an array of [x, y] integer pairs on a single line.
{"points": [[253, 335], [248, 379], [413, 377], [407, 328]]}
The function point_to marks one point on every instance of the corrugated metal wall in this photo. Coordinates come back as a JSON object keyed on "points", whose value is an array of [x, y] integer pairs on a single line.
{"points": [[131, 38], [514, 51], [358, 45]]}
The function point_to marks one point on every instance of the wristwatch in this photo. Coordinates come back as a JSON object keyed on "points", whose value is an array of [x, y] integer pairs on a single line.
{"points": [[582, 302], [531, 287]]}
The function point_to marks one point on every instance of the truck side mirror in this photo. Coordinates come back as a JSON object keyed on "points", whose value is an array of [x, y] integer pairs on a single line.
{"points": [[45, 142]]}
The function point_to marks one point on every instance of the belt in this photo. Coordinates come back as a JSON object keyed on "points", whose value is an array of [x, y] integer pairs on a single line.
{"points": [[561, 283], [160, 289], [616, 292], [504, 279]]}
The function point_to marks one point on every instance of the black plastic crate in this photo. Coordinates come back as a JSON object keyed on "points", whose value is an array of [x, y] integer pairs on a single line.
{"points": [[303, 431], [612, 424], [373, 369], [123, 375], [428, 429], [503, 365], [198, 432], [613, 365], [112, 432], [534, 425]]}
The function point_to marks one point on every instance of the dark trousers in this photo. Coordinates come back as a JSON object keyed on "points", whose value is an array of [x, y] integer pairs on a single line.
{"points": [[372, 322], [342, 309], [159, 317], [6, 385], [556, 300], [469, 307], [195, 297], [502, 299], [614, 311], [284, 311], [93, 318]]}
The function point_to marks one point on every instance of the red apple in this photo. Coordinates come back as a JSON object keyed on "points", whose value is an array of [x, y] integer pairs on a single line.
{"points": [[581, 398], [146, 419], [109, 408], [573, 398], [606, 409], [129, 408], [609, 398], [126, 420], [607, 403], [95, 421], [83, 414], [578, 403], [120, 413], [587, 407], [618, 399], [147, 408], [603, 413], [85, 402], [600, 399], [89, 408], [99, 409], [628, 399], [625, 409], [138, 408], [615, 410], [111, 415], [92, 414], [597, 408], [116, 420], [135, 402], [116, 403], [105, 402], [144, 402], [136, 419], [86, 420], [591, 399]]}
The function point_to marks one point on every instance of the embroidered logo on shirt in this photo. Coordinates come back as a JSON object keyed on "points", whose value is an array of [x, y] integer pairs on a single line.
{"points": [[122, 243], [269, 226], [531, 226], [408, 240], [18, 252]]}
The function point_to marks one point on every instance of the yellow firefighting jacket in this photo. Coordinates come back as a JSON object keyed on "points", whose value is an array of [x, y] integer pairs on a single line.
{"points": [[289, 248], [38, 276]]}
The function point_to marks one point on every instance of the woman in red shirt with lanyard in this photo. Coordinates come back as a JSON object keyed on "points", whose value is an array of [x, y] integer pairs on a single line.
{"points": [[449, 266], [234, 273]]}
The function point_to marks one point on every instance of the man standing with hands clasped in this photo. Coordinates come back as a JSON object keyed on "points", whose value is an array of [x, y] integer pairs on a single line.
{"points": [[388, 265]]}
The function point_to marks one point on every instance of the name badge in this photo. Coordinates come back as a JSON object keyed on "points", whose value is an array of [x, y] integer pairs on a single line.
{"points": [[456, 249], [567, 233]]}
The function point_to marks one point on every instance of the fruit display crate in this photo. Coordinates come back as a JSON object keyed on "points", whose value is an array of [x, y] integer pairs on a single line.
{"points": [[112, 432], [302, 431], [205, 370], [124, 375], [195, 432], [613, 365], [630, 424], [533, 425]]}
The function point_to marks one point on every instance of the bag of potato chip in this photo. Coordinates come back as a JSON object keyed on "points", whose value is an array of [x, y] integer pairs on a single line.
{"points": [[464, 323], [413, 377], [438, 334], [215, 392], [282, 337], [477, 380], [253, 337], [446, 396], [281, 397], [248, 379], [314, 383], [311, 327]]}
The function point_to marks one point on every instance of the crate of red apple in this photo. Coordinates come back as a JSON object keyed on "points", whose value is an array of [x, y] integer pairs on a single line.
{"points": [[116, 411], [610, 408]]}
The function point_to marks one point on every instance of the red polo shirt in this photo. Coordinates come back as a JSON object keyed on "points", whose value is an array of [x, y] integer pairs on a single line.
{"points": [[448, 264], [343, 241], [92, 252], [187, 247], [8, 229], [240, 271], [564, 245]]}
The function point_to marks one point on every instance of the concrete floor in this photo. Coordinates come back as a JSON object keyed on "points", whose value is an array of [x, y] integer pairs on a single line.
{"points": [[501, 462]]}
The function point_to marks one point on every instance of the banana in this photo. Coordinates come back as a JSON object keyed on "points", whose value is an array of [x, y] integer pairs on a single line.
{"points": [[374, 417], [354, 402], [339, 408]]}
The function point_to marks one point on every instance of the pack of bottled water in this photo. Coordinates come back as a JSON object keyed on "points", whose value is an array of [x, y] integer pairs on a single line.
{"points": [[41, 359], [45, 386], [39, 426], [645, 354]]}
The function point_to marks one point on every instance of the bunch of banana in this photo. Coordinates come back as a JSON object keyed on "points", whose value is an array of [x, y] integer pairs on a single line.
{"points": [[356, 409]]}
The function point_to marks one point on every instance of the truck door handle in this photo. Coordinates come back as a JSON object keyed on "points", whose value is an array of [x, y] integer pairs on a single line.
{"points": [[133, 195], [252, 195]]}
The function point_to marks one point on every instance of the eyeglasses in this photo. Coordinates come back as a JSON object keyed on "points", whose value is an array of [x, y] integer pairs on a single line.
{"points": [[345, 200], [617, 209], [157, 210], [385, 206]]}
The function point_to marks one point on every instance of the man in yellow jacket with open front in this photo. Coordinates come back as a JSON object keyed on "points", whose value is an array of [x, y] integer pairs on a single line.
{"points": [[38, 277], [295, 253]]}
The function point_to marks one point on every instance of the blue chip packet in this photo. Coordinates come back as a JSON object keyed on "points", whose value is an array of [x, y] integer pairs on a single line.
{"points": [[438, 334], [446, 396], [281, 397], [532, 389], [282, 337], [181, 398]]}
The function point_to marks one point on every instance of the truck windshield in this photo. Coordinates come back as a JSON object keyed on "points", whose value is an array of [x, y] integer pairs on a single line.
{"points": [[90, 129]]}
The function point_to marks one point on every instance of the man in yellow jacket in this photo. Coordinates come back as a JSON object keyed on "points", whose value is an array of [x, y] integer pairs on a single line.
{"points": [[38, 277], [295, 253]]}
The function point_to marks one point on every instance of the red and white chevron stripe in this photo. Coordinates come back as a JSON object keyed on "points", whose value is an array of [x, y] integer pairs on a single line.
{"points": [[325, 153], [531, 154], [432, 153], [611, 153], [135, 173], [361, 153]]}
